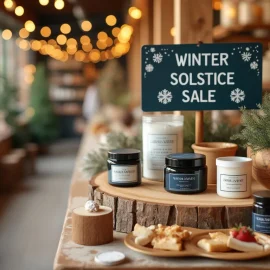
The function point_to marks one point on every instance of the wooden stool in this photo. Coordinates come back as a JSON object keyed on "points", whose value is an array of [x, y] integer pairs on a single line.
{"points": [[92, 228]]}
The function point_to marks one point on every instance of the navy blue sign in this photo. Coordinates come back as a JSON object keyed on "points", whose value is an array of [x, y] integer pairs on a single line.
{"points": [[204, 77]]}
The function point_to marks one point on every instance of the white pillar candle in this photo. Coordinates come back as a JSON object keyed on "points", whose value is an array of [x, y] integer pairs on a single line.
{"points": [[234, 176], [162, 135]]}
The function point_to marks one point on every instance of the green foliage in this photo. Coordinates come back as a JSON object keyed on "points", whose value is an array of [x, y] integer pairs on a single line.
{"points": [[112, 84], [96, 161], [43, 124], [256, 123]]}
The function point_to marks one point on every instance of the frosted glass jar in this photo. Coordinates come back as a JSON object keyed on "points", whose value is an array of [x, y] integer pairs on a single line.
{"points": [[234, 177], [162, 135], [228, 13]]}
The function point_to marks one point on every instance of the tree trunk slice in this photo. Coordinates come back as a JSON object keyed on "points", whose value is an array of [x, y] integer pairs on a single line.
{"points": [[150, 204]]}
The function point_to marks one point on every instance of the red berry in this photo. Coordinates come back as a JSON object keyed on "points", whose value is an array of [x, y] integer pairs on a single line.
{"points": [[234, 232], [245, 235]]}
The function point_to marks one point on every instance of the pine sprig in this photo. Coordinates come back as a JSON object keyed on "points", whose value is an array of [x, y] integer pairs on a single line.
{"points": [[96, 161], [256, 123]]}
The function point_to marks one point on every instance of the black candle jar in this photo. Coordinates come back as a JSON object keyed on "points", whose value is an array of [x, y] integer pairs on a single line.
{"points": [[185, 173], [261, 212], [124, 167]]}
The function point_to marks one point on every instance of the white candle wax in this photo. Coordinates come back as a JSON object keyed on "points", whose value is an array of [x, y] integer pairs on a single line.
{"points": [[162, 135]]}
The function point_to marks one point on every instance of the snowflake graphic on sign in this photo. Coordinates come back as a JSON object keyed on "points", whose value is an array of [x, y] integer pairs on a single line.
{"points": [[149, 68], [237, 95], [253, 65], [152, 49], [246, 56], [157, 57], [164, 96]]}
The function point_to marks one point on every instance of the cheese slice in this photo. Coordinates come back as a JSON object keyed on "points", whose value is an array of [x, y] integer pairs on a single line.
{"points": [[211, 245], [167, 243], [220, 236], [243, 246]]}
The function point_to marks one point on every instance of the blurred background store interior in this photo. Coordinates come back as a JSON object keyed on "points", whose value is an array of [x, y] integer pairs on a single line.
{"points": [[71, 67]]}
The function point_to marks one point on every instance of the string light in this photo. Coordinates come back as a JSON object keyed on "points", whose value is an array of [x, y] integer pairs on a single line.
{"points": [[45, 31], [59, 4], [135, 13], [71, 42], [23, 33], [30, 26], [9, 5], [36, 45], [94, 55], [44, 2], [115, 31], [52, 42], [85, 40], [87, 48], [86, 26], [65, 28], [61, 39], [19, 10], [109, 42], [125, 33], [102, 36], [111, 20], [172, 31], [101, 45], [79, 56], [24, 45], [6, 34]]}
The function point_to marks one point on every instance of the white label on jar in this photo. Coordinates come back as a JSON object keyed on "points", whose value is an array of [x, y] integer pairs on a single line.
{"points": [[233, 183], [124, 173], [159, 146]]}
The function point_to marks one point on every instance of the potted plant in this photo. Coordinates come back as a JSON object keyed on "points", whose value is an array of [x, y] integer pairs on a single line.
{"points": [[256, 137]]}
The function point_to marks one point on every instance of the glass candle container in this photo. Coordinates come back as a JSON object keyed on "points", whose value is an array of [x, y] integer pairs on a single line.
{"points": [[261, 212], [234, 177], [162, 135], [185, 173], [229, 13], [124, 167]]}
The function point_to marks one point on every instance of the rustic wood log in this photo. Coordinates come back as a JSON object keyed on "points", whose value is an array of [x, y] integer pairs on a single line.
{"points": [[150, 204], [92, 228]]}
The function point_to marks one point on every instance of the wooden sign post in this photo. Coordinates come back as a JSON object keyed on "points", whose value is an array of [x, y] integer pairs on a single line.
{"points": [[193, 22]]}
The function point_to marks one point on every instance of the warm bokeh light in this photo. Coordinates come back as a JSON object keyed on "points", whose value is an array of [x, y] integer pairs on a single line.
{"points": [[217, 5], [103, 56], [43, 42], [9, 4], [86, 26], [116, 31], [30, 26], [79, 56], [172, 31], [52, 42], [44, 2], [29, 78], [135, 13], [36, 45], [72, 42], [61, 39], [125, 33], [45, 31], [23, 33], [85, 40], [24, 45], [65, 28], [29, 69], [111, 20], [59, 4], [87, 48], [49, 49], [19, 10], [102, 36], [6, 34], [71, 51], [101, 45], [94, 55], [109, 42]]}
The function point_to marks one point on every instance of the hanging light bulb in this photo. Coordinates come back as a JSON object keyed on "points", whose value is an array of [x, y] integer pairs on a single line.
{"points": [[44, 2], [6, 34], [59, 4], [30, 26], [19, 10]]}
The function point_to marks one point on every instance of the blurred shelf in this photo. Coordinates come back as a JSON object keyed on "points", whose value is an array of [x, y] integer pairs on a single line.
{"points": [[266, 87]]}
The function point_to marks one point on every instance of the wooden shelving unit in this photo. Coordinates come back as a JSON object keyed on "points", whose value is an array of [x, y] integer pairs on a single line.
{"points": [[67, 91]]}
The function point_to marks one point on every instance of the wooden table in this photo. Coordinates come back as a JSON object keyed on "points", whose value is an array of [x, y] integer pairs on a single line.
{"points": [[72, 256]]}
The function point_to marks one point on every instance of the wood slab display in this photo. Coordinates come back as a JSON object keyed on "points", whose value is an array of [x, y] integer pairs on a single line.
{"points": [[150, 204], [191, 248]]}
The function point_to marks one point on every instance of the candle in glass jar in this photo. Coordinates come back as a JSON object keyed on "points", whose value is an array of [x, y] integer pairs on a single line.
{"points": [[162, 135]]}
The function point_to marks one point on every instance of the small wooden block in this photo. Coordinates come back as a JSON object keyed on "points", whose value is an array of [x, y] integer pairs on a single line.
{"points": [[92, 228]]}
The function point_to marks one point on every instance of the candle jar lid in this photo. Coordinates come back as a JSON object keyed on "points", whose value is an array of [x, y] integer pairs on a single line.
{"points": [[185, 160], [124, 154], [163, 118], [262, 196], [233, 162]]}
